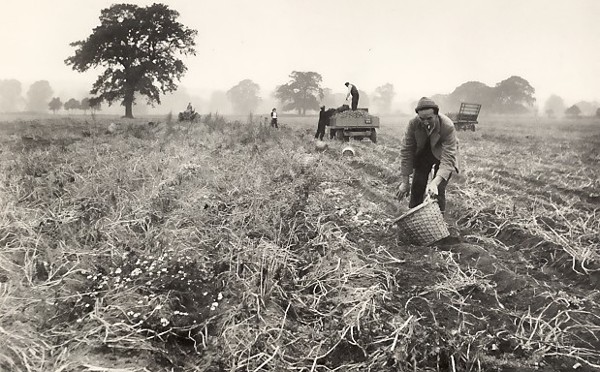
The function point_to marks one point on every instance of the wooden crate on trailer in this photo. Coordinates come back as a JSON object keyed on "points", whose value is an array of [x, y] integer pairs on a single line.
{"points": [[467, 115], [357, 124]]}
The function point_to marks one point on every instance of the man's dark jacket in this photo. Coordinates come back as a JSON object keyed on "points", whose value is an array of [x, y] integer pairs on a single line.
{"points": [[323, 118]]}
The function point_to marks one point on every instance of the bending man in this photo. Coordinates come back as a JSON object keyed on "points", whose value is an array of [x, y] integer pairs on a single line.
{"points": [[429, 142], [352, 91]]}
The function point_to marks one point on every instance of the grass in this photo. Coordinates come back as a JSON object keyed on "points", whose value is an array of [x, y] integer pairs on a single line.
{"points": [[235, 246]]}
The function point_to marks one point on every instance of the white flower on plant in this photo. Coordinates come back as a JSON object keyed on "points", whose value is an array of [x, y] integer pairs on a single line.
{"points": [[214, 305], [118, 270], [220, 296], [164, 322], [136, 272]]}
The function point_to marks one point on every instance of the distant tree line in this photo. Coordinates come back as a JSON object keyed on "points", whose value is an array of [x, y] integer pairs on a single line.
{"points": [[304, 92], [38, 98], [555, 107], [73, 104], [510, 96]]}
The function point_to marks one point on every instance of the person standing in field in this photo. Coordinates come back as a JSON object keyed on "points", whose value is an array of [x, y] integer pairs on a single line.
{"points": [[323, 121], [429, 142], [274, 118], [352, 91]]}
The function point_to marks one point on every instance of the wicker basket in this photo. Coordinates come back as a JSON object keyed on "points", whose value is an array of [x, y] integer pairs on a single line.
{"points": [[423, 224]]}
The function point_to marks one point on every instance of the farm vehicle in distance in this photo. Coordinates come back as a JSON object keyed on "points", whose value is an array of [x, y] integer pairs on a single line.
{"points": [[344, 123], [466, 117]]}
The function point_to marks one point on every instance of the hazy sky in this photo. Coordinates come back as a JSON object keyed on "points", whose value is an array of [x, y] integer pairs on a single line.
{"points": [[422, 47]]}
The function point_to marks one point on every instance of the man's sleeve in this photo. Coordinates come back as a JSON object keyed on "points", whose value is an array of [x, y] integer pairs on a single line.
{"points": [[407, 152], [448, 163]]}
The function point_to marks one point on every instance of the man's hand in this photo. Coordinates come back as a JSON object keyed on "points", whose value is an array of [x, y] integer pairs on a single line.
{"points": [[432, 188], [403, 189]]}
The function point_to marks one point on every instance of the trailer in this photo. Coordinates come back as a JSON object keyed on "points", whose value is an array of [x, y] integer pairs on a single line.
{"points": [[467, 115], [357, 124]]}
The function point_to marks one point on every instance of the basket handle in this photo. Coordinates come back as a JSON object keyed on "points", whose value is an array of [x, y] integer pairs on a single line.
{"points": [[429, 199]]}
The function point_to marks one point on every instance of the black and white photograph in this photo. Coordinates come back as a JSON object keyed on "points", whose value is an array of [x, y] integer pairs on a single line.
{"points": [[299, 185]]}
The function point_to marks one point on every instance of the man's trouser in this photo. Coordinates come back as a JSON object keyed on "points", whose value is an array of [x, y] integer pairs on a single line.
{"points": [[274, 122], [320, 131], [423, 164], [354, 102]]}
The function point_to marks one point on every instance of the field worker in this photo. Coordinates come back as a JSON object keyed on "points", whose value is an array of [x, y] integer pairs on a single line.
{"points": [[323, 121], [274, 118], [352, 91], [429, 141], [189, 107]]}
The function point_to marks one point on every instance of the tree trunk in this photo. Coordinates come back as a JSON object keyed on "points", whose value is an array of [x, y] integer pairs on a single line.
{"points": [[128, 103], [304, 104], [129, 109]]}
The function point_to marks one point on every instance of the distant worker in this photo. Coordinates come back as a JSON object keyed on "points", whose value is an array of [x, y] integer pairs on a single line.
{"points": [[323, 122], [352, 91], [189, 107], [429, 142], [274, 118]]}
